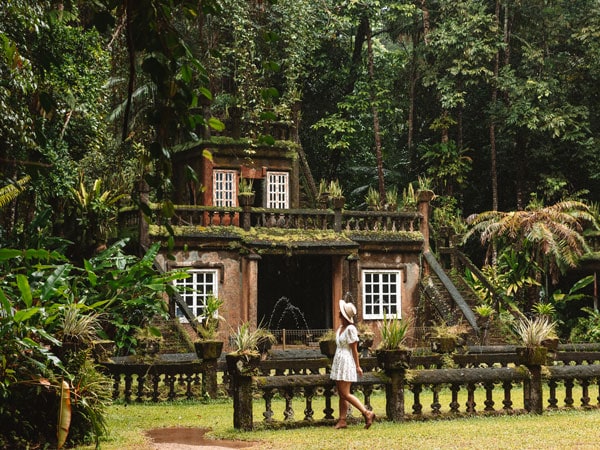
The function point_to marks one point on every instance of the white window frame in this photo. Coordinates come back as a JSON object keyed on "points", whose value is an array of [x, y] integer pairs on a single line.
{"points": [[197, 289], [278, 190], [380, 292], [224, 188]]}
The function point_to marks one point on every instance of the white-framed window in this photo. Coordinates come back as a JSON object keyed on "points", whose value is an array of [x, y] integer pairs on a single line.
{"points": [[381, 293], [195, 289], [278, 190], [224, 188]]}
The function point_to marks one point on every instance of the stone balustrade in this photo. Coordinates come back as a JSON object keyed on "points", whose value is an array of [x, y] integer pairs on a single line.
{"points": [[301, 379], [160, 378], [305, 219]]}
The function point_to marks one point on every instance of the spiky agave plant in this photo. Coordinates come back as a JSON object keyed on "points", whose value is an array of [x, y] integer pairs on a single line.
{"points": [[534, 331], [393, 333]]}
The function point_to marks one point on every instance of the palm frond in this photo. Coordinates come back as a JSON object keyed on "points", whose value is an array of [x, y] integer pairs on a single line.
{"points": [[11, 191]]}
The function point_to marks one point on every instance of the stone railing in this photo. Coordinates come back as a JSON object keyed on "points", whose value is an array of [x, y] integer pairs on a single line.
{"points": [[163, 377], [489, 373], [306, 219], [301, 378]]}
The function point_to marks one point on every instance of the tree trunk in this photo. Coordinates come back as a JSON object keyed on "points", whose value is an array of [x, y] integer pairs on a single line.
{"points": [[376, 131], [131, 81], [426, 23], [412, 88], [493, 162]]}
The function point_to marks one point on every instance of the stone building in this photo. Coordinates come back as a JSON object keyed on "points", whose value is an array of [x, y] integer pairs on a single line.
{"points": [[284, 243]]}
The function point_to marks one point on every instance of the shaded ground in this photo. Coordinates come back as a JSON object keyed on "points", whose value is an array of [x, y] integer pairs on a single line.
{"points": [[180, 438]]}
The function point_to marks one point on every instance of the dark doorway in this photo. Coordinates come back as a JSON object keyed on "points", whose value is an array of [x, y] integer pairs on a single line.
{"points": [[303, 280]]}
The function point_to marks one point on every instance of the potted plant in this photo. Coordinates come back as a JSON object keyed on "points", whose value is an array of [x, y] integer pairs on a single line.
{"points": [[78, 332], [245, 357], [547, 310], [265, 341], [532, 333], [372, 199], [327, 343], [392, 353], [208, 346], [323, 194], [485, 314], [336, 195], [391, 199], [409, 198], [446, 338], [245, 192], [365, 338]]}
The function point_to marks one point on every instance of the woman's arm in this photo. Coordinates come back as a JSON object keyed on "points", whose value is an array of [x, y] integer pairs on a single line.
{"points": [[354, 349]]}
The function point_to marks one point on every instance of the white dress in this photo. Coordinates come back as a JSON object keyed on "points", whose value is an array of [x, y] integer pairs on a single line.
{"points": [[343, 366]]}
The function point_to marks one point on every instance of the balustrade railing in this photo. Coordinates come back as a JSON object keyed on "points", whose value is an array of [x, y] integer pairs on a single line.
{"points": [[482, 380], [305, 219], [160, 378], [490, 376]]}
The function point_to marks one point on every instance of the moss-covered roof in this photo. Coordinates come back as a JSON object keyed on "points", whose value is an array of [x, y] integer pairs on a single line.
{"points": [[385, 236], [245, 144], [296, 238], [291, 240]]}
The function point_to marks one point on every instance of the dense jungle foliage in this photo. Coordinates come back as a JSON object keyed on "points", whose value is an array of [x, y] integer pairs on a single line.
{"points": [[492, 104]]}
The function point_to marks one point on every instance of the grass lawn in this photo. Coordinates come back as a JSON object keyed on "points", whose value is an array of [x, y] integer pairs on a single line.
{"points": [[553, 430]]}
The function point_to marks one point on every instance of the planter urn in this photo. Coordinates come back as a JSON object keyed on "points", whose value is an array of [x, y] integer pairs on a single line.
{"points": [[246, 199], [393, 359], [338, 202], [328, 347], [532, 356], [208, 349], [243, 364]]}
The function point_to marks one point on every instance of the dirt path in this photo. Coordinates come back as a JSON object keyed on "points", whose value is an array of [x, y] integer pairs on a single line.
{"points": [[180, 438]]}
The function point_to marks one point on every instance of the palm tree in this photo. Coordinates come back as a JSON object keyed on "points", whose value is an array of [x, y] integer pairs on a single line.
{"points": [[11, 191], [550, 235]]}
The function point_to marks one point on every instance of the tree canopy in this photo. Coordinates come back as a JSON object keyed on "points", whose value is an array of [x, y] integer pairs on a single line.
{"points": [[491, 101]]}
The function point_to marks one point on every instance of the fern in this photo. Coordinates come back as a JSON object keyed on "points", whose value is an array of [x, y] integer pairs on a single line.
{"points": [[11, 191]]}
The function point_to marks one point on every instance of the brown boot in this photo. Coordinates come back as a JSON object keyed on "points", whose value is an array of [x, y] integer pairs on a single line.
{"points": [[369, 419], [341, 424]]}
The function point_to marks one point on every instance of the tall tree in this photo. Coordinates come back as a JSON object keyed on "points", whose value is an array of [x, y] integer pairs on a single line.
{"points": [[552, 235]]}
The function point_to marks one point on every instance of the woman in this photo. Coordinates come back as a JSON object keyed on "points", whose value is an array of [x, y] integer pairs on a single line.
{"points": [[345, 367]]}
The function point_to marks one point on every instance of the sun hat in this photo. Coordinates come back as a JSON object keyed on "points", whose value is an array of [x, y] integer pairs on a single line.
{"points": [[348, 310]]}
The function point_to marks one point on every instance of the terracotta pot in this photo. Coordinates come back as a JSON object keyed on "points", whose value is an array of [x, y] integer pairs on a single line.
{"points": [[208, 349]]}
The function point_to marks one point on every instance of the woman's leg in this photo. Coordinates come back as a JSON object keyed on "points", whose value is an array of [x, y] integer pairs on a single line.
{"points": [[343, 406], [344, 393]]}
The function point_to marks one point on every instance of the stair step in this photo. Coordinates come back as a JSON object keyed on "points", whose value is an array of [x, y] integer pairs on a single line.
{"points": [[175, 337]]}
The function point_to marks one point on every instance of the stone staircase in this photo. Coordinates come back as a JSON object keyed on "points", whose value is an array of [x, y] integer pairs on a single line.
{"points": [[439, 307], [176, 338]]}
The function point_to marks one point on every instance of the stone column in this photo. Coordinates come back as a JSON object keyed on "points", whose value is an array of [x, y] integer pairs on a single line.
{"points": [[250, 288], [241, 387], [423, 199], [394, 364], [336, 288]]}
